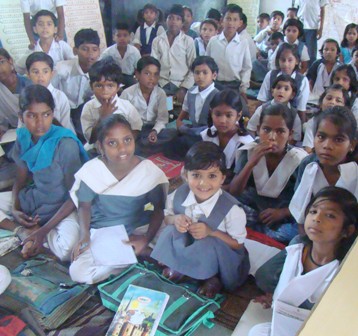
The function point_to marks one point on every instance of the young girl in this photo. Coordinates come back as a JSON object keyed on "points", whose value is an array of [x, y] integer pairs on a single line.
{"points": [[287, 60], [354, 62], [334, 95], [333, 162], [266, 174], [113, 190], [320, 71], [284, 91], [299, 275], [205, 233], [349, 41], [226, 127], [48, 156]]}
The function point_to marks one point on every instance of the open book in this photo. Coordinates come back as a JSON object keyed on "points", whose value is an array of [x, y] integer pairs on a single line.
{"points": [[8, 136], [139, 312]]}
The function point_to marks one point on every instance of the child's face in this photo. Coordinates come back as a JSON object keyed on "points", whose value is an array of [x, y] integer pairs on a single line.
{"points": [[330, 52], [207, 31], [324, 222], [45, 27], [104, 90], [188, 18], [149, 16], [332, 98], [273, 44], [204, 183], [6, 68], [122, 38], [231, 23], [174, 24], [37, 119], [88, 54], [262, 23], [291, 14], [274, 131], [40, 73], [342, 79], [330, 144], [287, 62], [352, 36], [276, 22], [292, 33], [283, 92], [203, 76], [118, 146], [355, 59], [148, 78], [225, 119]]}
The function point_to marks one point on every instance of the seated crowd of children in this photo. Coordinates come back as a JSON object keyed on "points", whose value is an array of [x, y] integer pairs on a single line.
{"points": [[85, 121]]}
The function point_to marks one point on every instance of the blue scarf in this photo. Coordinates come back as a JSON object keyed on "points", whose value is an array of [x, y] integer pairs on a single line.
{"points": [[40, 155]]}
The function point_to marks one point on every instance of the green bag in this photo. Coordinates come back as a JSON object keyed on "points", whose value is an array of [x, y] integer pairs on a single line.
{"points": [[46, 288], [185, 311]]}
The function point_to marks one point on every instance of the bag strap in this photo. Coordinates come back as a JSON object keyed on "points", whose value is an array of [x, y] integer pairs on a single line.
{"points": [[173, 307]]}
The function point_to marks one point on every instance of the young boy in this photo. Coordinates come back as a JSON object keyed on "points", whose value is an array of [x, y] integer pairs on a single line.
{"points": [[150, 101], [263, 20], [30, 7], [105, 80], [188, 20], [208, 29], [40, 70], [124, 54], [72, 75], [291, 13], [176, 52]]}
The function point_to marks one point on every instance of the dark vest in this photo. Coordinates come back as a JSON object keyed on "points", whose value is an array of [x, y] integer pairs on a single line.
{"points": [[147, 48]]}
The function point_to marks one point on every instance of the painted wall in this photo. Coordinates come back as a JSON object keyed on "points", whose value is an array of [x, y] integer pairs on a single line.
{"points": [[267, 6]]}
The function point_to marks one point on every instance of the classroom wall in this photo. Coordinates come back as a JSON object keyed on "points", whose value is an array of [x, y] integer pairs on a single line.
{"points": [[267, 6], [251, 10]]}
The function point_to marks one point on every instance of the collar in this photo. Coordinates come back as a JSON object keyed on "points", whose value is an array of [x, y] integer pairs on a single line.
{"points": [[273, 102], [97, 104], [51, 88], [205, 92], [77, 70], [294, 43], [236, 38], [151, 26], [293, 75]]}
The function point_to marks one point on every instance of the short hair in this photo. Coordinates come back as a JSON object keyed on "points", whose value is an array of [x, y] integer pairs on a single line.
{"points": [[35, 94], [176, 10], [285, 78], [209, 21], [353, 82], [293, 9], [209, 61], [294, 23], [330, 40], [106, 68], [107, 123], [44, 12], [204, 155], [281, 110], [335, 87], [86, 35], [276, 36], [39, 56], [213, 14], [264, 16], [122, 26], [5, 53], [277, 12], [282, 48], [151, 7], [188, 9], [145, 61], [232, 8], [243, 17]]}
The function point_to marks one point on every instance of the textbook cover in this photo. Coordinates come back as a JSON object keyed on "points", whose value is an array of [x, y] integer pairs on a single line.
{"points": [[139, 312], [171, 168]]}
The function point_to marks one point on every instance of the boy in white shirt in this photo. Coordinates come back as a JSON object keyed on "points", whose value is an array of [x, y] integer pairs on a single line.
{"points": [[176, 52], [123, 53]]}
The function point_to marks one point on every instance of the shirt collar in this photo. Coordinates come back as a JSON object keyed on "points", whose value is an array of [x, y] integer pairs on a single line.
{"points": [[205, 92], [288, 104], [236, 38], [151, 26], [76, 69], [295, 43], [97, 103]]}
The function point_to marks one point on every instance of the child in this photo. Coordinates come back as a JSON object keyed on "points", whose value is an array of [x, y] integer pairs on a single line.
{"points": [[151, 103], [266, 172], [148, 30], [176, 52], [49, 156], [299, 275], [226, 127], [320, 71], [354, 62], [188, 20], [244, 34], [263, 20], [112, 190], [105, 79], [208, 29], [333, 162], [284, 90], [205, 233], [334, 95], [39, 68], [292, 13], [29, 9], [350, 40], [72, 76], [287, 60], [124, 54]]}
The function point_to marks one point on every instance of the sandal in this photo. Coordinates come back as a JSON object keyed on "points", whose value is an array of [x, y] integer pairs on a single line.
{"points": [[211, 287], [172, 275]]}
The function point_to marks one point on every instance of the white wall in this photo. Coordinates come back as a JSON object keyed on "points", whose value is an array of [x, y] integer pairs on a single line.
{"points": [[268, 6]]}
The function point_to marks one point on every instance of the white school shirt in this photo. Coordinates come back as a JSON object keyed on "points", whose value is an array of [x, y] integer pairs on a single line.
{"points": [[90, 115], [309, 12], [155, 112], [233, 224], [252, 45], [201, 46], [34, 6], [354, 67], [302, 98], [262, 37], [175, 60], [308, 139], [233, 59], [255, 121], [128, 63], [62, 110], [148, 31], [200, 97], [72, 81]]}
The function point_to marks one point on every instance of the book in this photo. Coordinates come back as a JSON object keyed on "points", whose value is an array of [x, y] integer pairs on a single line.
{"points": [[171, 168], [139, 312], [8, 136]]}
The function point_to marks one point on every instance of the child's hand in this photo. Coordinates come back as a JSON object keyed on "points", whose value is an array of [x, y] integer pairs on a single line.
{"points": [[259, 151], [25, 220], [37, 238], [82, 246], [58, 37], [152, 137], [139, 243], [265, 300], [271, 216], [182, 223], [200, 230], [32, 45], [179, 123], [108, 107]]}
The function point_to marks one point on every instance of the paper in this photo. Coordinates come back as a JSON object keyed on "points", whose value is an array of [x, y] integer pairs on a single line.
{"points": [[108, 247], [8, 136]]}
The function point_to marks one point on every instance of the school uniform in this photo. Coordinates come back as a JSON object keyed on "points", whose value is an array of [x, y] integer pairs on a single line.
{"points": [[346, 54], [199, 47], [355, 68], [204, 258], [244, 34], [34, 6], [310, 180], [145, 35], [114, 203], [90, 115], [308, 139], [262, 37], [175, 61]]}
